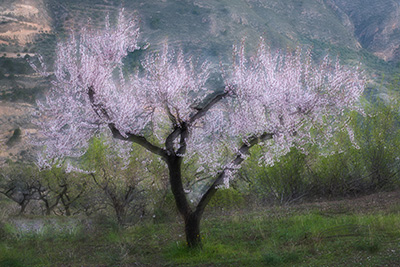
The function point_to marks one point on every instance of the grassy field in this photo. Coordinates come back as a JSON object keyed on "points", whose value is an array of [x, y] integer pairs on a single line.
{"points": [[349, 232]]}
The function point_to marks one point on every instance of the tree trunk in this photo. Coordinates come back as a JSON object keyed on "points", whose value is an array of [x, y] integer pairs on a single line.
{"points": [[47, 206], [23, 207], [47, 212], [192, 230], [67, 210], [121, 214], [191, 219]]}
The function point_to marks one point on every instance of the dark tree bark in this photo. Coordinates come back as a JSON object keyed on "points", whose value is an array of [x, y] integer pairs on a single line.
{"points": [[192, 230], [23, 207], [191, 219]]}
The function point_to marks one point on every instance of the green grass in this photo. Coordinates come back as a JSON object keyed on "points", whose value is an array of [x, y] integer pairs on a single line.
{"points": [[266, 237]]}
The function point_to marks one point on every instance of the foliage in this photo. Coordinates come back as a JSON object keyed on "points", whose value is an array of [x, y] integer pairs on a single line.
{"points": [[37, 228], [287, 181], [50, 191], [373, 164], [379, 141], [227, 199], [171, 89], [13, 67]]}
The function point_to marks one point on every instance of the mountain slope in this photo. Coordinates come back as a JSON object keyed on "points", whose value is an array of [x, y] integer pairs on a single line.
{"points": [[211, 27], [376, 24]]}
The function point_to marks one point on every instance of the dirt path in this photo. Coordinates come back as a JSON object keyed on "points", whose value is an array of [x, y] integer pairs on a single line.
{"points": [[375, 202]]}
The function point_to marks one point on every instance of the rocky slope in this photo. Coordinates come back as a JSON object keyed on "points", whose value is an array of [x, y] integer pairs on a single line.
{"points": [[375, 24]]}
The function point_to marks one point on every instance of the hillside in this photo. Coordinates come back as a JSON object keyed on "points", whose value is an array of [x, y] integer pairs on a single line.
{"points": [[375, 24], [22, 20], [210, 27], [358, 31]]}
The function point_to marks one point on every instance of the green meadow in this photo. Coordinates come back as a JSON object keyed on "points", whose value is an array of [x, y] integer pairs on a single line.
{"points": [[348, 232]]}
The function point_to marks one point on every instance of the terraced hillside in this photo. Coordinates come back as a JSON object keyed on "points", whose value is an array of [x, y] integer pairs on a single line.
{"points": [[22, 20]]}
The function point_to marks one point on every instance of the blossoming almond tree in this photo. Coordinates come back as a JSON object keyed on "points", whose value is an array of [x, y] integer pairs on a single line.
{"points": [[274, 100]]}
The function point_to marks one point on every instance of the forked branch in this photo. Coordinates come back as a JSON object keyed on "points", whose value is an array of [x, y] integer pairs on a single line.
{"points": [[244, 150], [202, 111], [141, 140]]}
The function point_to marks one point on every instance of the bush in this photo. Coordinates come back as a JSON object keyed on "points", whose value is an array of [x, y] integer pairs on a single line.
{"points": [[379, 138], [286, 181], [15, 138], [164, 209], [227, 198]]}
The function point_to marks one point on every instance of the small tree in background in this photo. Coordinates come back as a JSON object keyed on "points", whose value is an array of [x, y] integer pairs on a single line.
{"points": [[19, 184], [59, 191], [276, 100], [122, 182]]}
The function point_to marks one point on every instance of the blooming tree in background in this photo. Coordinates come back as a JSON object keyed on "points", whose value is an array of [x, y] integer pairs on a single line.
{"points": [[277, 101]]}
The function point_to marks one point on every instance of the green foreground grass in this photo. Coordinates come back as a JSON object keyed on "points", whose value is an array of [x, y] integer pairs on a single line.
{"points": [[307, 235]]}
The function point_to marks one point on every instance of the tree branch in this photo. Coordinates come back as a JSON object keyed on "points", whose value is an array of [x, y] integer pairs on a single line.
{"points": [[202, 111], [171, 116], [181, 128], [138, 139], [101, 112], [182, 143], [77, 196], [244, 150], [169, 142], [181, 131]]}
